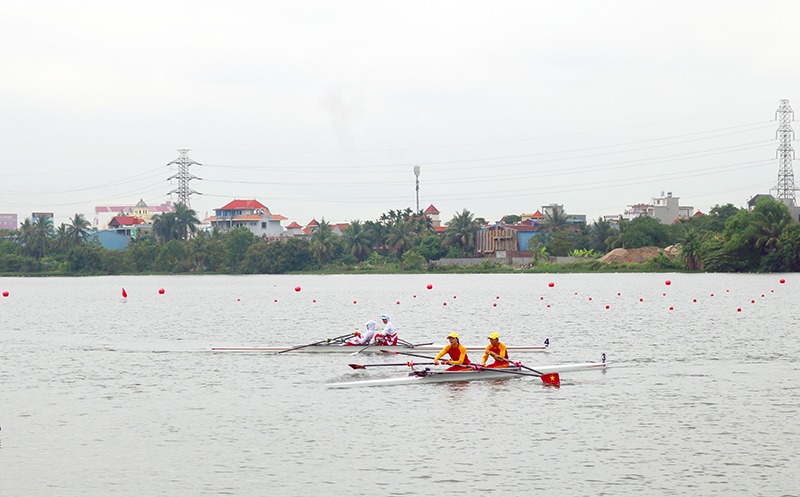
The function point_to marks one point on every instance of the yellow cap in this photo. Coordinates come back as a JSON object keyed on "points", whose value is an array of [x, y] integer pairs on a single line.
{"points": [[494, 335], [453, 335]]}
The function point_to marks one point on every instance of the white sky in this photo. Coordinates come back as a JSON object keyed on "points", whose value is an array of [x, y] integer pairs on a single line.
{"points": [[322, 109]]}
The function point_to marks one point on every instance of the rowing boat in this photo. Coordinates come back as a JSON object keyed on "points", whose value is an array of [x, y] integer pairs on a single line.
{"points": [[427, 376], [374, 349]]}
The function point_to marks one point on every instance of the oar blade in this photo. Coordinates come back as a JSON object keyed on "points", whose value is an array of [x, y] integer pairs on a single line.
{"points": [[357, 366], [551, 379]]}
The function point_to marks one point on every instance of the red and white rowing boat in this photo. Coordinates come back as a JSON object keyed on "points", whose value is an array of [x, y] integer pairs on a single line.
{"points": [[427, 376]]}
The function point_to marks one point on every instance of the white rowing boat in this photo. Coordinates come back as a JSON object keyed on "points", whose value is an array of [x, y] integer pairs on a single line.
{"points": [[425, 376], [338, 347]]}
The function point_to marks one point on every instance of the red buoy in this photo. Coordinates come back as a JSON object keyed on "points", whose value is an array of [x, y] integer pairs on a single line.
{"points": [[551, 284], [5, 293], [297, 289], [668, 282], [430, 286], [124, 293], [161, 291], [783, 280]]}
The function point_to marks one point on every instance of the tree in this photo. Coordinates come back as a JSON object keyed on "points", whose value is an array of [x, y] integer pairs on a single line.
{"points": [[460, 232], [599, 231], [237, 242], [357, 240], [78, 229], [555, 220], [322, 243], [185, 221], [42, 235], [165, 226], [400, 238], [691, 249], [645, 231], [511, 219], [771, 218]]}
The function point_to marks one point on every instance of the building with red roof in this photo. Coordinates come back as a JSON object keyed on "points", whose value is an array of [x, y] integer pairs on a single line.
{"points": [[250, 214], [433, 213]]}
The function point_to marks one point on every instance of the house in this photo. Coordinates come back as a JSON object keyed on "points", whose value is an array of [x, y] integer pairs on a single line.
{"points": [[130, 226], [666, 209], [507, 239], [250, 214], [104, 213], [294, 229]]}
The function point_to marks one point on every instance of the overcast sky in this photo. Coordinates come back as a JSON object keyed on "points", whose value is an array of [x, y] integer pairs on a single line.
{"points": [[322, 109]]}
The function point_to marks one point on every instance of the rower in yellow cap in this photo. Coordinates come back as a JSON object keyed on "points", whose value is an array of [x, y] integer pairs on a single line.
{"points": [[496, 350], [457, 353]]}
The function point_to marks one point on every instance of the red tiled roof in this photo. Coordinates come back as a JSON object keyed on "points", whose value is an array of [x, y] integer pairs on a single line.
{"points": [[698, 213], [431, 210], [537, 214], [294, 225], [278, 217], [125, 221], [312, 223], [440, 229], [242, 204]]}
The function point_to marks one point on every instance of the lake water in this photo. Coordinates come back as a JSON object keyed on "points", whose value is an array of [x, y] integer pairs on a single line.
{"points": [[100, 397]]}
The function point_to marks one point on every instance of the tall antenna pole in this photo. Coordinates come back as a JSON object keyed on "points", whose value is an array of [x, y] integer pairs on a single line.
{"points": [[416, 173], [183, 176], [785, 189]]}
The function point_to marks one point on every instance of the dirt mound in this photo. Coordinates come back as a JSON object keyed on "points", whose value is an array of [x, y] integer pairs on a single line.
{"points": [[639, 254]]}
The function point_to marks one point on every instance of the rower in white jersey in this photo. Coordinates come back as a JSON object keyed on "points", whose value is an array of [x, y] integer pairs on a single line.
{"points": [[389, 334], [363, 338]]}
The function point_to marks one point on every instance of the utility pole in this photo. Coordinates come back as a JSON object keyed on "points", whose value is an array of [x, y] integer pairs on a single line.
{"points": [[183, 176], [785, 189], [416, 173]]}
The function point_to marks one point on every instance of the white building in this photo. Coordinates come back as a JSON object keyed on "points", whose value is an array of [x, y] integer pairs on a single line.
{"points": [[251, 214]]}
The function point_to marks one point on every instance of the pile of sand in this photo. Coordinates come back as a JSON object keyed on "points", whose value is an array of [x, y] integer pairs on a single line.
{"points": [[639, 254]]}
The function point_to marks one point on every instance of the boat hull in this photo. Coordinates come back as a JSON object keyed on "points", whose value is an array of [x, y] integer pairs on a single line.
{"points": [[482, 374], [374, 349]]}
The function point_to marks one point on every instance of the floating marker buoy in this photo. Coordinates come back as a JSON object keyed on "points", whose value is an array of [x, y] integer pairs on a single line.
{"points": [[783, 280], [495, 305], [541, 298], [694, 300], [454, 296], [664, 294], [551, 284], [275, 300], [739, 309], [124, 293], [354, 301], [670, 308], [606, 307], [430, 286], [444, 303], [161, 291], [5, 293], [712, 294], [497, 297], [590, 298], [398, 302], [641, 300], [548, 305], [668, 282], [297, 289], [415, 296], [752, 301], [315, 300]]}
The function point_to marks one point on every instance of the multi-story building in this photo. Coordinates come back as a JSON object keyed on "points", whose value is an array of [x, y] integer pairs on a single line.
{"points": [[251, 214]]}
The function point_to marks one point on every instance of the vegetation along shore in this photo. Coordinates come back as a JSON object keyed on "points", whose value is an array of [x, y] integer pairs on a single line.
{"points": [[727, 239]]}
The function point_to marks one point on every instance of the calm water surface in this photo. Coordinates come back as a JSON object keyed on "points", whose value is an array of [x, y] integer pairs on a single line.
{"points": [[98, 397]]}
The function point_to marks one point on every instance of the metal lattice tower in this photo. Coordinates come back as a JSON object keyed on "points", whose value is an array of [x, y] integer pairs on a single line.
{"points": [[183, 176], [785, 189]]}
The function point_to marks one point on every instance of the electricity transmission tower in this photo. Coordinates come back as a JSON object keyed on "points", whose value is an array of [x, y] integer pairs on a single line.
{"points": [[785, 189], [183, 176]]}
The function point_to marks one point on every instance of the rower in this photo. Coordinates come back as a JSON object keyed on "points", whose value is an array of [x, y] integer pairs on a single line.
{"points": [[389, 334], [457, 353], [363, 338], [496, 349]]}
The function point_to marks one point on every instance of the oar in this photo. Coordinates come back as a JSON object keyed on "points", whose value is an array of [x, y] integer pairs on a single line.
{"points": [[316, 343], [498, 356], [362, 350], [409, 364], [406, 353], [549, 379]]}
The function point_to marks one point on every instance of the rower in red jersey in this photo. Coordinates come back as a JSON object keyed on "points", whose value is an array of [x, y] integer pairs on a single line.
{"points": [[495, 349], [457, 353]]}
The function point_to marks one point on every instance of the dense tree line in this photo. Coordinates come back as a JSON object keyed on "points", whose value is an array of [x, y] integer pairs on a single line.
{"points": [[726, 239]]}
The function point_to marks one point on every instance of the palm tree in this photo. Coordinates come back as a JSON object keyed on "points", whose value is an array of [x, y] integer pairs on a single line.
{"points": [[185, 220], [78, 230], [357, 240], [62, 240], [770, 227], [322, 244], [25, 235], [400, 238], [599, 231], [555, 220], [691, 249], [42, 235], [460, 232], [165, 226]]}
